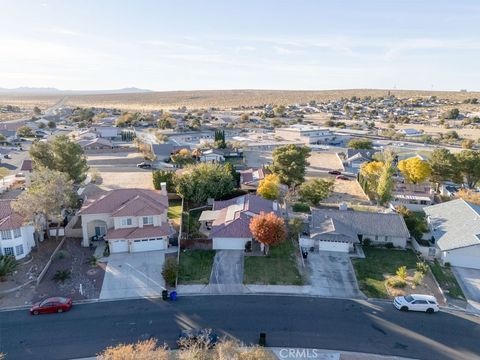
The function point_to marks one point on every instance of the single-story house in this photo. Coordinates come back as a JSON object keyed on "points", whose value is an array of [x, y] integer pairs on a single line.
{"points": [[163, 152], [250, 178], [410, 132], [340, 230], [455, 229], [95, 144], [212, 155], [130, 220], [354, 158], [16, 238], [108, 132], [227, 224], [413, 196]]}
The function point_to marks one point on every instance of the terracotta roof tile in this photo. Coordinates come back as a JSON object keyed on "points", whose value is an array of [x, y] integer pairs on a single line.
{"points": [[8, 218]]}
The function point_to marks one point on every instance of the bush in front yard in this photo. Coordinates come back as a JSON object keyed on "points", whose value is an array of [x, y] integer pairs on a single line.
{"points": [[396, 282], [402, 273], [62, 275], [422, 267], [8, 264], [418, 278], [367, 242], [170, 270]]}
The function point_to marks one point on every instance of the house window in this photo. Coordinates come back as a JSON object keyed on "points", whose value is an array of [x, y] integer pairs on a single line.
{"points": [[6, 234], [376, 237], [126, 222], [147, 220], [17, 233], [19, 249], [8, 251]]}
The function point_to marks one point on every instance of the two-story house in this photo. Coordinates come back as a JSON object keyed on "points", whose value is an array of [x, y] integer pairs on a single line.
{"points": [[130, 220], [16, 238]]}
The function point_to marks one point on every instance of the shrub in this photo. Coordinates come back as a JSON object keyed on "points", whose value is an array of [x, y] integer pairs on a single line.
{"points": [[402, 273], [396, 282], [92, 261], [367, 242], [389, 245], [301, 207], [62, 275], [447, 264], [8, 264], [422, 267], [418, 277], [170, 270]]}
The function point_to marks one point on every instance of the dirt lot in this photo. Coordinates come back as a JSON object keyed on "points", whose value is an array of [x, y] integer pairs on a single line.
{"points": [[325, 161], [119, 180], [347, 191], [72, 257]]}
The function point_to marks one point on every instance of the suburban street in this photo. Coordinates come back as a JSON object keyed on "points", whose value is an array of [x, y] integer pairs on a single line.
{"points": [[288, 322]]}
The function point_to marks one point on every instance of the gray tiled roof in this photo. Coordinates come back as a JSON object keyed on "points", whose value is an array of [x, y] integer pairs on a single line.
{"points": [[351, 223], [455, 224]]}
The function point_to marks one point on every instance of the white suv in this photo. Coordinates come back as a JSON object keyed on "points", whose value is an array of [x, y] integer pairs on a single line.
{"points": [[416, 302]]}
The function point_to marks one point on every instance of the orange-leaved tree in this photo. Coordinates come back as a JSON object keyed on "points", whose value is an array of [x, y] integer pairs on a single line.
{"points": [[268, 228]]}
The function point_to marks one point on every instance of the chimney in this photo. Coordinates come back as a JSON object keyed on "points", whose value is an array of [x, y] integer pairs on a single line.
{"points": [[163, 188], [343, 206]]}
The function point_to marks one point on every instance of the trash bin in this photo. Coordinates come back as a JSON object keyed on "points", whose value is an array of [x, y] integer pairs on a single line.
{"points": [[262, 341], [165, 295], [304, 252], [173, 296]]}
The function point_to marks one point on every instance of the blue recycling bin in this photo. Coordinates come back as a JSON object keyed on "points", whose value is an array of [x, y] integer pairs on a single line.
{"points": [[173, 296]]}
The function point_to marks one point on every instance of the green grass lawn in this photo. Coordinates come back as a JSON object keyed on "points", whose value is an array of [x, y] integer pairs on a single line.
{"points": [[301, 207], [379, 262], [278, 268], [447, 280], [175, 210], [195, 266]]}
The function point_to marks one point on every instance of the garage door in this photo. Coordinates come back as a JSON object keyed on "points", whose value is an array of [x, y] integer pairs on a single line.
{"points": [[463, 260], [333, 246], [118, 246], [148, 245], [229, 243]]}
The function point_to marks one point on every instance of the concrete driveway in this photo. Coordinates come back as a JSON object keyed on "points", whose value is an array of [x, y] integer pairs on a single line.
{"points": [[469, 281], [133, 275], [332, 274], [227, 272]]}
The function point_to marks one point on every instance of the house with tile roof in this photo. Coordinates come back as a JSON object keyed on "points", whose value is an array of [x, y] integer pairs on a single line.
{"points": [[16, 238], [228, 223], [250, 178], [130, 220], [455, 229], [340, 230]]}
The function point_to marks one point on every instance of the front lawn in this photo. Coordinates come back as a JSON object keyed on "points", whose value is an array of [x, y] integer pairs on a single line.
{"points": [[175, 211], [278, 268], [446, 280], [301, 207], [195, 266], [379, 263]]}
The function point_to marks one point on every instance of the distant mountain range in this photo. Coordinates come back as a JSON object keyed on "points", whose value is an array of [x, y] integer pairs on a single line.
{"points": [[53, 91]]}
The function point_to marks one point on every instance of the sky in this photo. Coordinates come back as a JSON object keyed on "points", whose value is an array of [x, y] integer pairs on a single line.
{"points": [[245, 44]]}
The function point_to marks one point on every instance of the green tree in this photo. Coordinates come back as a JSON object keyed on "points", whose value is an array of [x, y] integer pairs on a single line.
{"points": [[49, 193], [220, 139], [52, 125], [37, 111], [279, 110], [231, 170], [183, 157], [8, 264], [443, 165], [202, 181], [314, 191], [62, 155], [165, 123], [290, 163], [469, 166], [360, 144], [160, 176], [452, 114], [385, 183], [25, 131]]}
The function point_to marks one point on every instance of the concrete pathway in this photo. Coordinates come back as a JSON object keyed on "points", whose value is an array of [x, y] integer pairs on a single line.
{"points": [[132, 275], [332, 274], [227, 272], [469, 281]]}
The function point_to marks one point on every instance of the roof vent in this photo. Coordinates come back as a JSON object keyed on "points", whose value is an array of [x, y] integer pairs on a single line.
{"points": [[343, 206]]}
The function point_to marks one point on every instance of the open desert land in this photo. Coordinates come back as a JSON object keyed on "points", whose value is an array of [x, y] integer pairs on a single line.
{"points": [[222, 99], [26, 103]]}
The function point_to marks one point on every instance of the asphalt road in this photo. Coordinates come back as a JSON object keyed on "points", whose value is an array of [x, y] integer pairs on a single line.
{"points": [[287, 321]]}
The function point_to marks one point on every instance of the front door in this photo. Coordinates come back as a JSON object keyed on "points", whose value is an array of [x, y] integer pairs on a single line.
{"points": [[100, 230]]}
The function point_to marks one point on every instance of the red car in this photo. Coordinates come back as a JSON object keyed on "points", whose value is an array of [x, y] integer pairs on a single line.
{"points": [[342, 177], [51, 305]]}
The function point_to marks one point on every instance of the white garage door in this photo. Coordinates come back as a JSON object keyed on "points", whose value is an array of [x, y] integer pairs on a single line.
{"points": [[463, 260], [333, 246], [118, 246], [148, 245]]}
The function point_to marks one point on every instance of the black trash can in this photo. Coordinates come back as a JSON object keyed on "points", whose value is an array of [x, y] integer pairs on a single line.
{"points": [[262, 341], [165, 295]]}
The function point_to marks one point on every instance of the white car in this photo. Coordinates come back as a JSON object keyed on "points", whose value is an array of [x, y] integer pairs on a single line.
{"points": [[416, 302]]}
